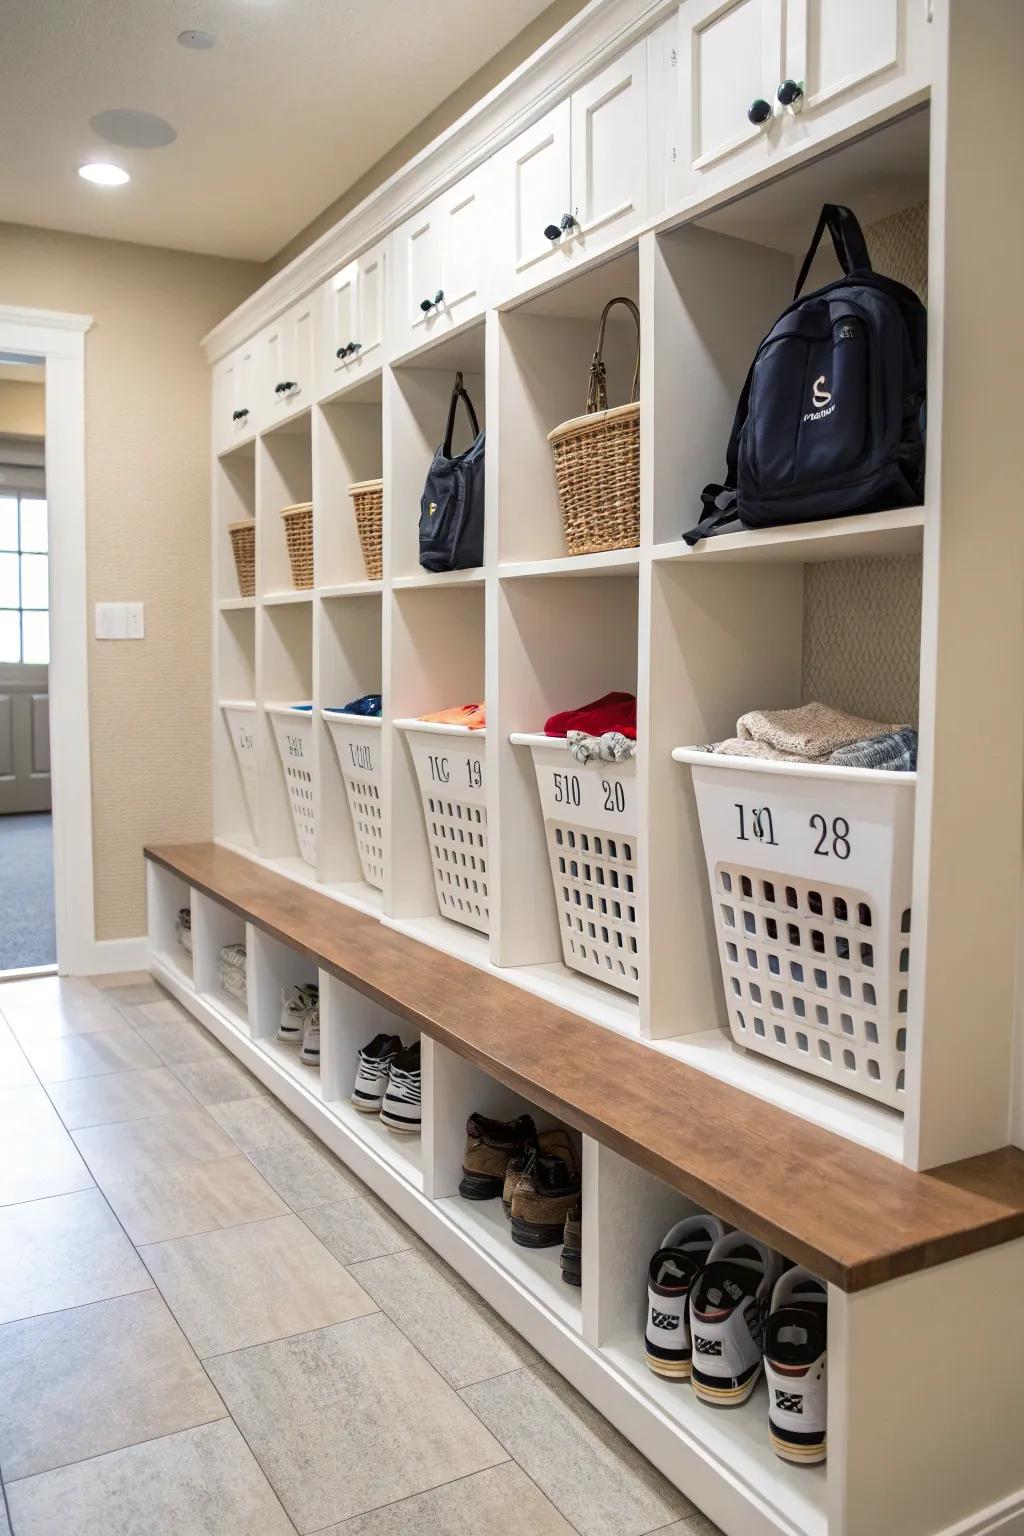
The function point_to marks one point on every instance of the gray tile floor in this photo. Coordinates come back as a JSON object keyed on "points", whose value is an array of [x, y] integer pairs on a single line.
{"points": [[209, 1327]]}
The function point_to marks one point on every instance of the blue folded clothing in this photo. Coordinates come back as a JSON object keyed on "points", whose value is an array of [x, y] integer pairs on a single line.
{"points": [[369, 704], [897, 751]]}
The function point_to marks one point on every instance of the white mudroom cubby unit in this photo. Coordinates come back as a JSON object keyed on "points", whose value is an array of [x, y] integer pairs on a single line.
{"points": [[693, 146]]}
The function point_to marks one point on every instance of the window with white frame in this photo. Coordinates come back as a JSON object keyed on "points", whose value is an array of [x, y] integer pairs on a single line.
{"points": [[24, 580]]}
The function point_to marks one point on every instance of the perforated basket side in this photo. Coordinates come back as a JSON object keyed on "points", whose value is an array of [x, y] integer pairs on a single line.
{"points": [[451, 773], [357, 744], [293, 732]]}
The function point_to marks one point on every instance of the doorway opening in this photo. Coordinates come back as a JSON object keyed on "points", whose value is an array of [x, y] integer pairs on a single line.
{"points": [[27, 921]]}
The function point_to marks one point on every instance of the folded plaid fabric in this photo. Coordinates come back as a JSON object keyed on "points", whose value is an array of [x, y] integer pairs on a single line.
{"points": [[897, 751]]}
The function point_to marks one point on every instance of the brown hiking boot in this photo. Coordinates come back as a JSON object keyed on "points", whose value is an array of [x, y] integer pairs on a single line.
{"points": [[545, 1194], [554, 1143], [571, 1260], [491, 1145]]}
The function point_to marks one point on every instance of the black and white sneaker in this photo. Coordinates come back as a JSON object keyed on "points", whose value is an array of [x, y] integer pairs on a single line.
{"points": [[670, 1277], [372, 1073], [400, 1110], [728, 1308], [310, 1052], [794, 1366], [297, 1003]]}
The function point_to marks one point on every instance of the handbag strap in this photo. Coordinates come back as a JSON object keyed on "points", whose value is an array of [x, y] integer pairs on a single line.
{"points": [[459, 392], [847, 237], [597, 387]]}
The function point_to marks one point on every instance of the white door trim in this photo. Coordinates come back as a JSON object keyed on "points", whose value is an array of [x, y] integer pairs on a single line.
{"points": [[58, 340]]}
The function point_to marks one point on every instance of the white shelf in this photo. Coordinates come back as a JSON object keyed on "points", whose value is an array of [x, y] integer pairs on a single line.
{"points": [[234, 604], [287, 1058], [402, 1153], [296, 595], [178, 961], [230, 1006], [537, 1270], [474, 577], [355, 893], [611, 562], [441, 933], [352, 589], [736, 1438], [897, 532]]}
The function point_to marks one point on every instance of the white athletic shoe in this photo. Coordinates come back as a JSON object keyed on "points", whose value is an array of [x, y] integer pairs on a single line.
{"points": [[297, 1003], [671, 1273], [310, 1052], [794, 1366], [400, 1109], [728, 1308], [372, 1073]]}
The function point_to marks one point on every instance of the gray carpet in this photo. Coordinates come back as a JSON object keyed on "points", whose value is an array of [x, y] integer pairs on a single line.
{"points": [[26, 892]]}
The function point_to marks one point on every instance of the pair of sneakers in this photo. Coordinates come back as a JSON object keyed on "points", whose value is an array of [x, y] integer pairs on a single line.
{"points": [[388, 1083], [300, 1021], [722, 1307]]}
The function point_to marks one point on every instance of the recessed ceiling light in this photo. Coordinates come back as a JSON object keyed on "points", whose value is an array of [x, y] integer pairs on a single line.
{"points": [[103, 175], [198, 40], [133, 129]]}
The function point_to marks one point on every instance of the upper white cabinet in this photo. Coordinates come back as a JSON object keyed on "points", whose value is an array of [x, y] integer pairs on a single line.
{"points": [[286, 364], [761, 79], [350, 320], [236, 397], [440, 260], [577, 180]]}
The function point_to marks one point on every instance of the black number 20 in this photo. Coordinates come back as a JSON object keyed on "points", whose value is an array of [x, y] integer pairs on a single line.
{"points": [[840, 832]]}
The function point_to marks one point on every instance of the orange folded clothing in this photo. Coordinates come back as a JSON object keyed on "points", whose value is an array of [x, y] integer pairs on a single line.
{"points": [[473, 716]]}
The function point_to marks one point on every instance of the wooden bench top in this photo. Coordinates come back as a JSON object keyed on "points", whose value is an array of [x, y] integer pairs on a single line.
{"points": [[854, 1217]]}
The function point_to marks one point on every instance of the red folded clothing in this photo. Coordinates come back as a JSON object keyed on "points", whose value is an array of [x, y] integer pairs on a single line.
{"points": [[613, 712]]}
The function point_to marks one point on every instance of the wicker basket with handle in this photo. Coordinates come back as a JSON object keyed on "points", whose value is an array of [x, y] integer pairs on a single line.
{"points": [[298, 527], [243, 547], [368, 504], [597, 461]]}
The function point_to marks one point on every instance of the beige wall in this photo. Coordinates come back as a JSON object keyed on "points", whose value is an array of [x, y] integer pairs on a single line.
{"points": [[148, 510], [22, 408], [451, 109]]}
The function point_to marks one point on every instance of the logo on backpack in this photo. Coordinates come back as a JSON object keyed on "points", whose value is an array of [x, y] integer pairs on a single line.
{"points": [[821, 400]]}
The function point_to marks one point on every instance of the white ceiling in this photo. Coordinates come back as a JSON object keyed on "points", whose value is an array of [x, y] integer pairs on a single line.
{"points": [[296, 101]]}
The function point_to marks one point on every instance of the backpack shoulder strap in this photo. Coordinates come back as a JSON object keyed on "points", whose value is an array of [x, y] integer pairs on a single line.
{"points": [[458, 393], [847, 237]]}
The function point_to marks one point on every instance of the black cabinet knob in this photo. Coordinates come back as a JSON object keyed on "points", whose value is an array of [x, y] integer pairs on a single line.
{"points": [[759, 111], [428, 304], [568, 222], [552, 232], [285, 386], [342, 352], [241, 414], [790, 92], [354, 347]]}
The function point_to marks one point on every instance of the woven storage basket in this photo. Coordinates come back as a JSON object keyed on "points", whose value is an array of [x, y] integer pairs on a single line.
{"points": [[298, 527], [243, 547], [597, 461], [368, 505]]}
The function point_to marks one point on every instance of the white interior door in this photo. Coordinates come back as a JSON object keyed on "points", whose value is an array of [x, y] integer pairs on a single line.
{"points": [[24, 740], [24, 649]]}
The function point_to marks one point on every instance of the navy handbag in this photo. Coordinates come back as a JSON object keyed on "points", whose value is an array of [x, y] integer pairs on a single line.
{"points": [[452, 505]]}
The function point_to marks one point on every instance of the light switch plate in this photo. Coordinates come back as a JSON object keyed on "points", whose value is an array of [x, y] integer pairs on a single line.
{"points": [[119, 621]]}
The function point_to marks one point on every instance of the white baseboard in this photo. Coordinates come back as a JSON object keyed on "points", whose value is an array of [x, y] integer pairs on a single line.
{"points": [[1006, 1518], [105, 957]]}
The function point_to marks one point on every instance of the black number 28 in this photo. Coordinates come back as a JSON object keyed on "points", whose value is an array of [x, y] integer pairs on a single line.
{"points": [[840, 833]]}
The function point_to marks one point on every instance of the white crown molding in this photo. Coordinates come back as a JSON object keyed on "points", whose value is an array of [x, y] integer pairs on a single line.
{"points": [[596, 35], [54, 320]]}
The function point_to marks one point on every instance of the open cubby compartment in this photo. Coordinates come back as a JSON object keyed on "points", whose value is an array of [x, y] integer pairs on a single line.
{"points": [[561, 641], [273, 969], [350, 1021], [451, 769], [727, 637], [236, 653], [436, 662], [716, 287], [168, 897], [285, 479], [629, 1212], [416, 412], [237, 773], [234, 502], [224, 983], [460, 1089], [545, 347], [348, 451], [351, 844]]}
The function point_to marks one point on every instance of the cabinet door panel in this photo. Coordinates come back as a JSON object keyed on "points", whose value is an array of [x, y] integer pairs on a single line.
{"points": [[538, 170], [460, 246], [370, 301], [609, 144], [343, 306], [441, 249], [735, 58], [833, 46], [424, 266]]}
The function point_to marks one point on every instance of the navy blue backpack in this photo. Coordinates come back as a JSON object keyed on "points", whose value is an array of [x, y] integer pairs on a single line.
{"points": [[831, 418], [452, 504]]}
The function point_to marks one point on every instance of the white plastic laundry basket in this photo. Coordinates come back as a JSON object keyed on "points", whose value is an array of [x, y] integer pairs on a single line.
{"points": [[452, 776], [810, 874], [357, 742], [590, 822], [293, 731], [240, 718]]}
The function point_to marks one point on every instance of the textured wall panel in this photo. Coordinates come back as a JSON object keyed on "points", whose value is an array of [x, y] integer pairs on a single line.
{"points": [[147, 421]]}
